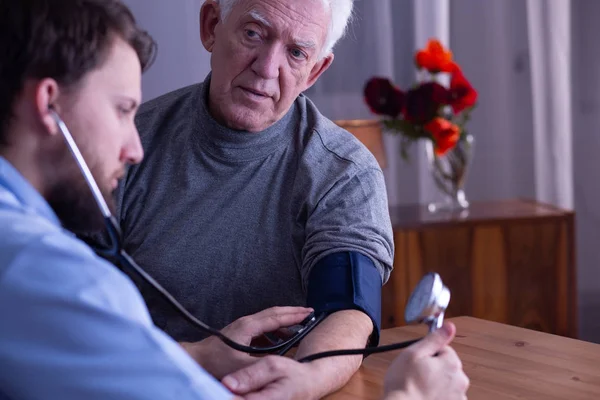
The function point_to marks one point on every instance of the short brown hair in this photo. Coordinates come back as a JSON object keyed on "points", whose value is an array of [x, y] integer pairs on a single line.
{"points": [[60, 39]]}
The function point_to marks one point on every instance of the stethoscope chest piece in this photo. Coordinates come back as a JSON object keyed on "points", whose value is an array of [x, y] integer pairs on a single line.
{"points": [[428, 302]]}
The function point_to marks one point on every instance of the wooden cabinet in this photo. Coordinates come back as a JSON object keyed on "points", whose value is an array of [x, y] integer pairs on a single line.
{"points": [[369, 132], [508, 261]]}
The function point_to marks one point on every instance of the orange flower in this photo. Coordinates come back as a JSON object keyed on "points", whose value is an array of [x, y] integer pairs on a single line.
{"points": [[445, 134], [435, 58]]}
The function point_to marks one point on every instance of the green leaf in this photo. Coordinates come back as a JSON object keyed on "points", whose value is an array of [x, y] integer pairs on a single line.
{"points": [[405, 128]]}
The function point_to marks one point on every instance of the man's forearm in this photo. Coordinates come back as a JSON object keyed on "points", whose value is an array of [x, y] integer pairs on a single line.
{"points": [[346, 329]]}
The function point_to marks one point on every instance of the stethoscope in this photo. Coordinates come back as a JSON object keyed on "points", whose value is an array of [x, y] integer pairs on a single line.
{"points": [[426, 304]]}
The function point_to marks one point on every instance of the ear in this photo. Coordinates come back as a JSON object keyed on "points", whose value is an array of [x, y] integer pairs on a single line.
{"points": [[46, 96], [318, 69], [210, 16]]}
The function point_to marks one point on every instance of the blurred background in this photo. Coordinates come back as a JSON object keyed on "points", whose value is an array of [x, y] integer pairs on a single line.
{"points": [[535, 64]]}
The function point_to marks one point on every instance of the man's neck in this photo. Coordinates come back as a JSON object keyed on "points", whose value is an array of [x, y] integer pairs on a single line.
{"points": [[24, 161]]}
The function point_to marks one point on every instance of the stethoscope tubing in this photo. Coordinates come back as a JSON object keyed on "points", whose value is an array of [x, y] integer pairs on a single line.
{"points": [[116, 252]]}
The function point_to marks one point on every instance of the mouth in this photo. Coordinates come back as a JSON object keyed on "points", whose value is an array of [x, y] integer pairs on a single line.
{"points": [[116, 179], [255, 92], [114, 183]]}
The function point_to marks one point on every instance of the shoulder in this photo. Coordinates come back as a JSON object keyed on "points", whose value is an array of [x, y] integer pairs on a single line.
{"points": [[21, 229], [333, 164], [35, 252], [325, 140]]}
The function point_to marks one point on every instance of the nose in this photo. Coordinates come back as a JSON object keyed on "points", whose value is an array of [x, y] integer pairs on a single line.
{"points": [[133, 152], [267, 62]]}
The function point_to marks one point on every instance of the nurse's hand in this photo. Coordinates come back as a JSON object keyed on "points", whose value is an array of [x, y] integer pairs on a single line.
{"points": [[219, 359], [429, 369]]}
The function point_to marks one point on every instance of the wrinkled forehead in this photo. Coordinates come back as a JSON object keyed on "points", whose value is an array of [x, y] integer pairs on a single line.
{"points": [[301, 20]]}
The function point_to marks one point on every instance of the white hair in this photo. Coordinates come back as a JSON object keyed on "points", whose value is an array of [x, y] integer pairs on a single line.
{"points": [[341, 12]]}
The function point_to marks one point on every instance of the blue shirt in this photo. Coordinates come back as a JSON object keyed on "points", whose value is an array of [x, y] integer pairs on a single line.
{"points": [[72, 326]]}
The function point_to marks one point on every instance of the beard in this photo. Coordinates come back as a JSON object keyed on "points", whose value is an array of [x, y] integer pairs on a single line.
{"points": [[76, 207], [72, 200]]}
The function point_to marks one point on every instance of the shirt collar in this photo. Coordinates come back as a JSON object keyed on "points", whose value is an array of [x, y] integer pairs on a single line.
{"points": [[12, 181], [234, 145]]}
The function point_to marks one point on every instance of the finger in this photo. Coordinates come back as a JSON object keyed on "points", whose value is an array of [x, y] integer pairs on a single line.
{"points": [[454, 395], [271, 319], [272, 311], [257, 375], [465, 382], [450, 358], [435, 342]]}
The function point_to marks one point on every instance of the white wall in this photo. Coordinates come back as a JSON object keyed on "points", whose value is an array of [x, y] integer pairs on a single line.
{"points": [[586, 159], [181, 58]]}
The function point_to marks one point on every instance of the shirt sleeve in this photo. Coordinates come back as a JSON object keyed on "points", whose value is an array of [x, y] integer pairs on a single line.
{"points": [[75, 327], [351, 216]]}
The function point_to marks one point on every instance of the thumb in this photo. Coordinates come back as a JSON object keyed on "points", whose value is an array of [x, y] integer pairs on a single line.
{"points": [[436, 341], [258, 375]]}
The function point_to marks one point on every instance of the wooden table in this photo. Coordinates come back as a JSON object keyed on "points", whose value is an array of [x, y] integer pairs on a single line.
{"points": [[502, 362], [509, 261]]}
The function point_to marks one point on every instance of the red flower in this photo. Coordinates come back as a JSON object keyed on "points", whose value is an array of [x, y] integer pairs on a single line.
{"points": [[424, 101], [435, 58], [445, 134], [462, 94], [383, 97]]}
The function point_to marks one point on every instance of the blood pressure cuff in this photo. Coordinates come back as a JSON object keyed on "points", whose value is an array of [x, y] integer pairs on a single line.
{"points": [[347, 281]]}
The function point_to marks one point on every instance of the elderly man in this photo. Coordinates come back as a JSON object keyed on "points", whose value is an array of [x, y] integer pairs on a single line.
{"points": [[249, 198]]}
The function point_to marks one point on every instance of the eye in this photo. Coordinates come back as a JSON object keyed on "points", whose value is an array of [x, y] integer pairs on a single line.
{"points": [[298, 54], [124, 110], [250, 34]]}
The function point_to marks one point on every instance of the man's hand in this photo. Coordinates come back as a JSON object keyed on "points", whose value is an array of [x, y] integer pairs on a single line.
{"points": [[273, 378], [429, 369], [219, 359], [282, 378]]}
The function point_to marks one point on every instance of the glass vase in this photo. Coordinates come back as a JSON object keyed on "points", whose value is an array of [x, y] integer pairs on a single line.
{"points": [[449, 173]]}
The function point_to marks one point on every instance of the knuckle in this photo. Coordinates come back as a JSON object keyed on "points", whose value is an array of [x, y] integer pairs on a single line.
{"points": [[244, 375], [458, 364], [242, 323], [273, 363], [453, 359], [410, 355], [245, 325], [273, 311], [272, 320], [466, 382], [451, 351]]}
